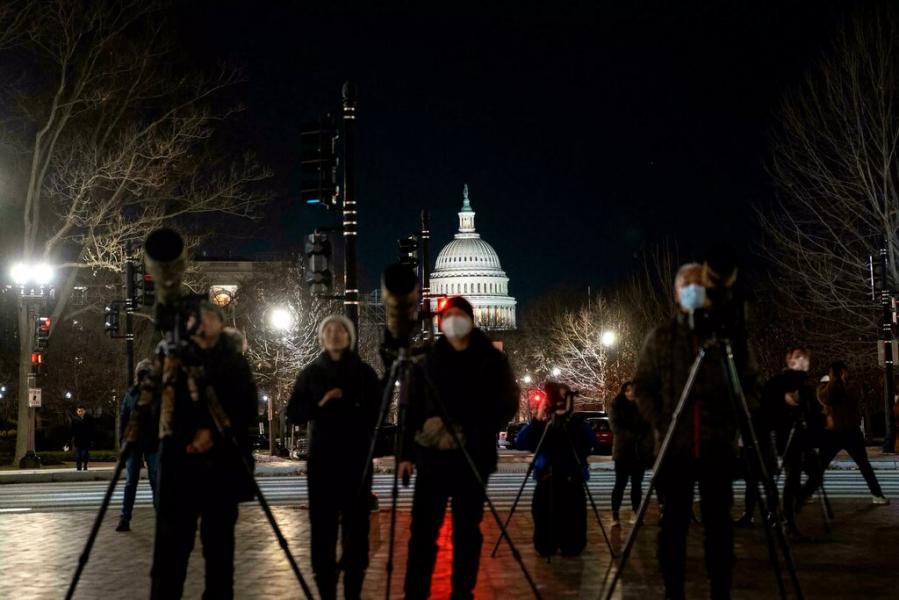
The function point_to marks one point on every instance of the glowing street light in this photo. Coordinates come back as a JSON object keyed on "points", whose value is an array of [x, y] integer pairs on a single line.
{"points": [[608, 339], [556, 371], [280, 319], [40, 274], [527, 379], [68, 395]]}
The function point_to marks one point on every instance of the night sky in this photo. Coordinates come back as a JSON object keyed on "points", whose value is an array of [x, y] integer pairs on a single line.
{"points": [[587, 132]]}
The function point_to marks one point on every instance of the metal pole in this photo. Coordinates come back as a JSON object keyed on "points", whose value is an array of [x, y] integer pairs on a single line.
{"points": [[350, 284], [425, 237], [130, 305], [886, 301]]}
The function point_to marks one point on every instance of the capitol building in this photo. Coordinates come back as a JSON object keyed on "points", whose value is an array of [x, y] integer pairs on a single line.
{"points": [[468, 266]]}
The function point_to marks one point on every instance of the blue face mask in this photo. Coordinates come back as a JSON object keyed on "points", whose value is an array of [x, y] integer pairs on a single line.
{"points": [[692, 297]]}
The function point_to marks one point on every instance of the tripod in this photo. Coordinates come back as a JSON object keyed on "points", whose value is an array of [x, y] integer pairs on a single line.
{"points": [[173, 371], [553, 423], [405, 369], [767, 501], [800, 423]]}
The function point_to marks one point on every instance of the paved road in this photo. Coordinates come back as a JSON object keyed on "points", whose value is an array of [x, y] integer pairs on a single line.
{"points": [[292, 491]]}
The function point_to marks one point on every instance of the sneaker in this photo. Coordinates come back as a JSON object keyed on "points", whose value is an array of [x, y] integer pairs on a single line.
{"points": [[633, 518], [124, 525], [881, 500], [616, 520]]}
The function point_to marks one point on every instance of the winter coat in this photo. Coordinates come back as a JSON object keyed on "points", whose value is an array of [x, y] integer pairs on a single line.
{"points": [[340, 432], [779, 417], [148, 425], [708, 428], [840, 406], [632, 442], [556, 457], [82, 431], [478, 390]]}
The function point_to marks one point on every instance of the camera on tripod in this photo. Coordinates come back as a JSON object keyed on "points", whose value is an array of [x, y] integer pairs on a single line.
{"points": [[724, 316], [559, 399]]}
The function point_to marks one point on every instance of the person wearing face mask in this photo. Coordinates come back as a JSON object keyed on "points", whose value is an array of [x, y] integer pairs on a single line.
{"points": [[339, 396], [474, 382], [201, 478], [703, 448]]}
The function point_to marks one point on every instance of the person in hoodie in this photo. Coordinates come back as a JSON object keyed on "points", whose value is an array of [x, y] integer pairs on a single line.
{"points": [[474, 382], [339, 396]]}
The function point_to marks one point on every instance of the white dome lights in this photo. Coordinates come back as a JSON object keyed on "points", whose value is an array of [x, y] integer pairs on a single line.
{"points": [[468, 266]]}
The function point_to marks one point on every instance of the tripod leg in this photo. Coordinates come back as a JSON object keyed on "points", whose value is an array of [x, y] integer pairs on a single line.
{"points": [[382, 418], [444, 416], [524, 483], [86, 553], [660, 459], [602, 527], [770, 496], [395, 490], [768, 522]]}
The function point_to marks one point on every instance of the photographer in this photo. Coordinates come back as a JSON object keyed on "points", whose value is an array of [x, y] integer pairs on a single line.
{"points": [[559, 505], [632, 450], [475, 384], [704, 445], [144, 448], [200, 475], [339, 396], [790, 409], [840, 406]]}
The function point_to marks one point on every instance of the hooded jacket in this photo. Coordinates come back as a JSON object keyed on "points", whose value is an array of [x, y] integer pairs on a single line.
{"points": [[633, 441]]}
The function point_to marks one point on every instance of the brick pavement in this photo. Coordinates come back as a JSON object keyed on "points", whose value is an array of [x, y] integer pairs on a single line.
{"points": [[39, 552]]}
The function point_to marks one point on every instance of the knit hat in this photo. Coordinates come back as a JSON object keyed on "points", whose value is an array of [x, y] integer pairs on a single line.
{"points": [[460, 303], [144, 367], [347, 324]]}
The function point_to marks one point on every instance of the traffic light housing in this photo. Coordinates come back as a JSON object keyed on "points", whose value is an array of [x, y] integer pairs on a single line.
{"points": [[42, 333], [148, 290], [318, 255], [408, 252], [536, 398], [111, 317], [319, 164]]}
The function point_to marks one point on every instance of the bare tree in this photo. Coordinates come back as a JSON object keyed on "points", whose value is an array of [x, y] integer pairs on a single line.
{"points": [[835, 164], [111, 142]]}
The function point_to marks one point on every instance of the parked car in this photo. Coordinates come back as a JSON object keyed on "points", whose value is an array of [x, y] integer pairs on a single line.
{"points": [[598, 420]]}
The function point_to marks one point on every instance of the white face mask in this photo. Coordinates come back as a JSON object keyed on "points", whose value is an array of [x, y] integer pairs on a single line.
{"points": [[456, 327], [691, 297]]}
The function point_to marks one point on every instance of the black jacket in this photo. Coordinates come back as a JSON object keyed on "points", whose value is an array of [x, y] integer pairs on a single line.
{"points": [[779, 417], [340, 432], [82, 431], [148, 424], [478, 390], [633, 440]]}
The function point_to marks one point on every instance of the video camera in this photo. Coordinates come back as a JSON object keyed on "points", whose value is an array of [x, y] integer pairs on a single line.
{"points": [[725, 315], [559, 398]]}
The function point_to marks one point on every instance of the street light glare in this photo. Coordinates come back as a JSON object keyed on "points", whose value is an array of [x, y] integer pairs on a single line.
{"points": [[19, 273], [556, 371], [280, 319], [608, 339], [527, 379], [43, 274]]}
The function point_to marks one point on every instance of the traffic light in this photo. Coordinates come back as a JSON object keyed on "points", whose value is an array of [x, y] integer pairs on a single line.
{"points": [[111, 316], [148, 290], [318, 254], [319, 164], [408, 252], [536, 398], [42, 333]]}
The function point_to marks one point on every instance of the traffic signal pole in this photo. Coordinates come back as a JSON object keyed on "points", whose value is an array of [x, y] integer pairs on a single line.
{"points": [[350, 282], [889, 387], [425, 237]]}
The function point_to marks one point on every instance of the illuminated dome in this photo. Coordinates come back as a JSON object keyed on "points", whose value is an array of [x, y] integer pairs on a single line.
{"points": [[468, 266]]}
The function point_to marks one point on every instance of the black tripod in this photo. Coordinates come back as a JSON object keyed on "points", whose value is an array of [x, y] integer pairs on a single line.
{"points": [[553, 423], [406, 368], [806, 454], [768, 503], [172, 372]]}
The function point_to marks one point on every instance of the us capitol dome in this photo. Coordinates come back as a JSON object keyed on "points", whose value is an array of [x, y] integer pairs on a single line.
{"points": [[468, 266]]}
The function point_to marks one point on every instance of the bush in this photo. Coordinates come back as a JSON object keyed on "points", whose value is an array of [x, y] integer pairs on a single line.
{"points": [[57, 457]]}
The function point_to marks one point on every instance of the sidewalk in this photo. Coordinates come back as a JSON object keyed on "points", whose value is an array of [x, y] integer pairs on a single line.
{"points": [[40, 551], [269, 466]]}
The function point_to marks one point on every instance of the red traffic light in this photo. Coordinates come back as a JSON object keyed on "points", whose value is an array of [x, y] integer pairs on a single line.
{"points": [[441, 303], [536, 398]]}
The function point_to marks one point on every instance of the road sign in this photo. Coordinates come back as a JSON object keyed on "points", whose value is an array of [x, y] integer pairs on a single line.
{"points": [[34, 397]]}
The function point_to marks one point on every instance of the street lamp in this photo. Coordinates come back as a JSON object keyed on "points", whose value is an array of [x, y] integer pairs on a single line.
{"points": [[608, 338], [68, 395], [528, 379], [556, 371], [280, 319], [39, 274]]}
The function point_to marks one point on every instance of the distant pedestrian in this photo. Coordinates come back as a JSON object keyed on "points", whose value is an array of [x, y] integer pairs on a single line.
{"points": [[146, 445], [82, 437], [632, 449], [842, 431]]}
